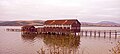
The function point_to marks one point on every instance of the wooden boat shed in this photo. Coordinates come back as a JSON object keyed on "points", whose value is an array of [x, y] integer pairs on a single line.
{"points": [[66, 26], [62, 26]]}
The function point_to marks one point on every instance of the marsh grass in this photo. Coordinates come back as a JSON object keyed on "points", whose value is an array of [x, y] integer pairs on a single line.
{"points": [[116, 49], [57, 50]]}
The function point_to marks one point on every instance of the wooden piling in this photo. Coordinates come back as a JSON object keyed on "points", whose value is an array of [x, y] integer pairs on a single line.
{"points": [[115, 34], [85, 33], [98, 33], [90, 33], [81, 33], [94, 33], [104, 34], [78, 34], [110, 34], [75, 33]]}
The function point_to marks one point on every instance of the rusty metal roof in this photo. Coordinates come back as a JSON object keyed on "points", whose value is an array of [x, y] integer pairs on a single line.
{"points": [[60, 22]]}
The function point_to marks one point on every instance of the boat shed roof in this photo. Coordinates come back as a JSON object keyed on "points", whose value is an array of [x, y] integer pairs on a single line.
{"points": [[61, 22]]}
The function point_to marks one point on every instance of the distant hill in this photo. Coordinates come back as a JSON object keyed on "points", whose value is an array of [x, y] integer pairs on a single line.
{"points": [[2, 21], [21, 23], [106, 22], [100, 24], [40, 22]]}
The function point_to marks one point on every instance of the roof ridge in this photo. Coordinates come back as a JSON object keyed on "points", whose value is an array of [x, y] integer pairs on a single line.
{"points": [[64, 21], [52, 21], [61, 22]]}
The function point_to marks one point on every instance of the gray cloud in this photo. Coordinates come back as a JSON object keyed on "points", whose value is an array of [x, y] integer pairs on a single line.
{"points": [[95, 10]]}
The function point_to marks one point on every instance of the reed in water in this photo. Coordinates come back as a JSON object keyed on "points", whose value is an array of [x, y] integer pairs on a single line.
{"points": [[116, 49]]}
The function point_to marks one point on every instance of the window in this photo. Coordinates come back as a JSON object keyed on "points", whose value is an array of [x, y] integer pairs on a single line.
{"points": [[78, 27], [76, 22], [73, 28], [68, 27]]}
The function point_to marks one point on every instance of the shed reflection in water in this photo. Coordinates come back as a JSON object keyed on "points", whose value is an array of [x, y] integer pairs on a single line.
{"points": [[59, 44], [62, 41], [28, 37]]}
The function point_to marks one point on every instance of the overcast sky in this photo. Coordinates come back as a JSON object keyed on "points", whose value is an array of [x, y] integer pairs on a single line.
{"points": [[83, 10]]}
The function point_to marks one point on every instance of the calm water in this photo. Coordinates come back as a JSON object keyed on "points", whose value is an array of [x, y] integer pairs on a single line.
{"points": [[15, 43]]}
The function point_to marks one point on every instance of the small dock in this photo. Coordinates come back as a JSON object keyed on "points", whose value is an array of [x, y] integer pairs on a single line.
{"points": [[13, 29], [101, 33], [90, 33]]}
